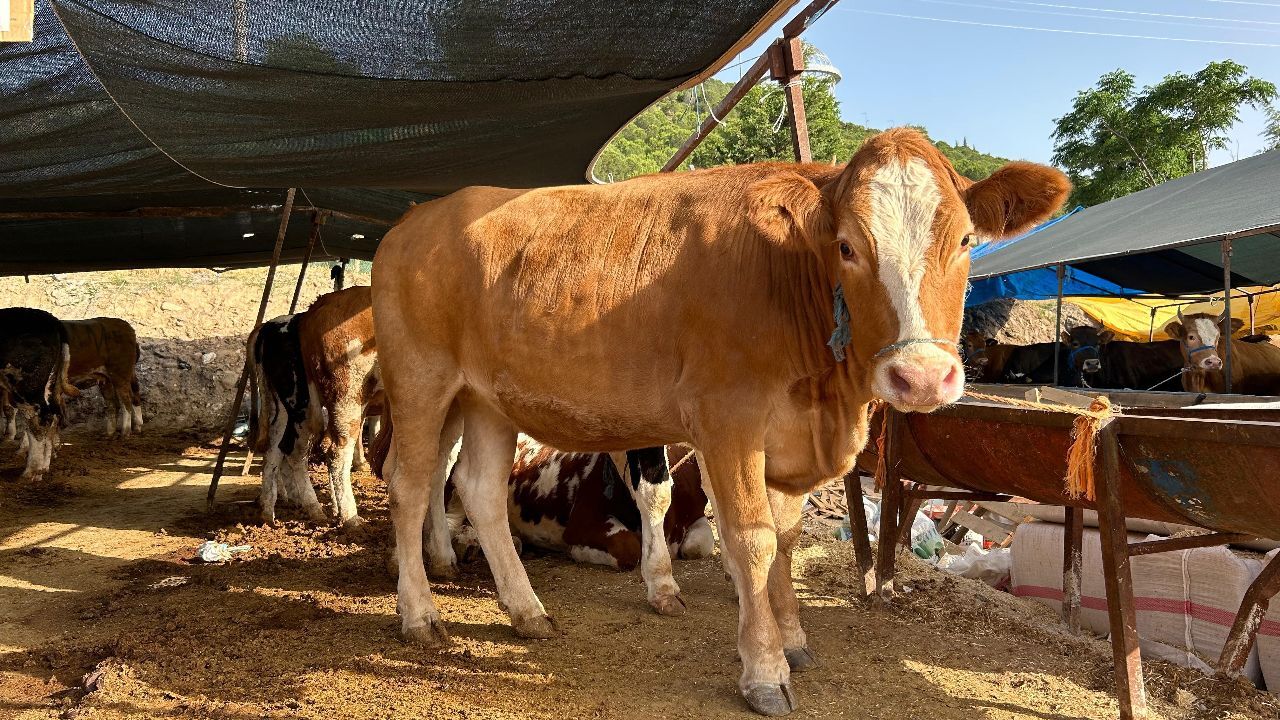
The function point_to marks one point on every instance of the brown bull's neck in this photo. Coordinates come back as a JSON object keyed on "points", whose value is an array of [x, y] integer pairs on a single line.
{"points": [[832, 393]]}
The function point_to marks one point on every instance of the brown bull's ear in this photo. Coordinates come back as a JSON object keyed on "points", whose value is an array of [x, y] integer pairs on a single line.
{"points": [[1015, 198], [1174, 330], [1106, 336], [786, 205], [1236, 325]]}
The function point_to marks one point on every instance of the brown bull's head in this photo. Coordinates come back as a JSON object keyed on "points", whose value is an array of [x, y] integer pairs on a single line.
{"points": [[893, 231], [1200, 335]]}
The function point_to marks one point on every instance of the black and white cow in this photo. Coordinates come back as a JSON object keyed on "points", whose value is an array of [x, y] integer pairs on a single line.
{"points": [[34, 356], [600, 508]]}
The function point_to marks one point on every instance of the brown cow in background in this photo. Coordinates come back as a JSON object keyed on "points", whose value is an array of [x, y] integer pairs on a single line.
{"points": [[104, 353], [316, 374], [1255, 363]]}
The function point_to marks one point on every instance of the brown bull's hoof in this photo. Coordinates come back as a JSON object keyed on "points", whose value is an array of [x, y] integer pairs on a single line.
{"points": [[801, 659], [432, 635], [538, 627], [669, 605], [769, 699]]}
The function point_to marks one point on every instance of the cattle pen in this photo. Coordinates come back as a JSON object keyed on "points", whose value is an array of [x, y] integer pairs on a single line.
{"points": [[313, 139]]}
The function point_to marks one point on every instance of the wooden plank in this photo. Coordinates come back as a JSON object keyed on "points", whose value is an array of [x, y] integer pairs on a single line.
{"points": [[982, 526], [19, 26]]}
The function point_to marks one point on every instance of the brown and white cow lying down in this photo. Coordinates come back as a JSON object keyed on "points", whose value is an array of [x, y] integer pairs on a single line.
{"points": [[727, 281], [582, 504], [315, 374], [34, 355]]}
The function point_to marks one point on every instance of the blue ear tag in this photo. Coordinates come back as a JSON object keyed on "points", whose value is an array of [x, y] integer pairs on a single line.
{"points": [[841, 336]]}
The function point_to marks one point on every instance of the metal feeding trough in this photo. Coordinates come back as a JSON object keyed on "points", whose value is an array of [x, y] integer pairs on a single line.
{"points": [[1178, 459]]}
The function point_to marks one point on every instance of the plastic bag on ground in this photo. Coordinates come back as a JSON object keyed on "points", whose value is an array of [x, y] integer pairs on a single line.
{"points": [[990, 566]]}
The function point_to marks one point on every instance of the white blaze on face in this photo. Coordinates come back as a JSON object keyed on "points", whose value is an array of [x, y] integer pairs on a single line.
{"points": [[1207, 332], [904, 201]]}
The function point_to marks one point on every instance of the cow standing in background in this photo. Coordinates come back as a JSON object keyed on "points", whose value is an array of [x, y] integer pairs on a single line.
{"points": [[985, 360], [1255, 363], [1106, 363], [34, 356], [104, 353], [769, 304], [316, 375]]}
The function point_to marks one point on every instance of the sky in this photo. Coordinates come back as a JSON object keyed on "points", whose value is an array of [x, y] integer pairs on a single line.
{"points": [[1000, 87]]}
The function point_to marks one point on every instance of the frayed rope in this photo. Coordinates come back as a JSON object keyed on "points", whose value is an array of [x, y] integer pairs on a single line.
{"points": [[1081, 468]]}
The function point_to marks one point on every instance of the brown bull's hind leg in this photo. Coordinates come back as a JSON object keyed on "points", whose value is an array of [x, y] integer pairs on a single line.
{"points": [[750, 541], [787, 515], [488, 446]]}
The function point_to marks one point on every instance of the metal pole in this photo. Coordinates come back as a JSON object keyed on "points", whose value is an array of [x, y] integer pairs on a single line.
{"points": [[317, 219], [244, 373], [792, 29], [1151, 329], [1252, 315], [1057, 328], [787, 58], [1226, 323]]}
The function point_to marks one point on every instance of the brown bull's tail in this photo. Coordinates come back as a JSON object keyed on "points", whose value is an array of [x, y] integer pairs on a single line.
{"points": [[381, 445], [67, 390]]}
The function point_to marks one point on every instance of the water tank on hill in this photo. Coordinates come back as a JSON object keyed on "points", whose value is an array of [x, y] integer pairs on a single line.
{"points": [[818, 65]]}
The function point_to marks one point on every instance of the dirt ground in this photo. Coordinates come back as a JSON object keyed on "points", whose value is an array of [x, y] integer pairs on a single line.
{"points": [[103, 616]]}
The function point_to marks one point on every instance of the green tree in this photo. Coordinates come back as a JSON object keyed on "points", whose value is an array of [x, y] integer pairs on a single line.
{"points": [[1118, 139], [756, 130], [1272, 130]]}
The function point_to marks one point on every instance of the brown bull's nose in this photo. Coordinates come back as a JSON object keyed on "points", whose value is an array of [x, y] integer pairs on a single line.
{"points": [[925, 382], [1211, 363]]}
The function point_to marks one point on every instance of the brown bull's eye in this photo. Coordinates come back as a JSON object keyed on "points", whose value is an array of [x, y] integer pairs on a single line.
{"points": [[966, 241], [846, 251]]}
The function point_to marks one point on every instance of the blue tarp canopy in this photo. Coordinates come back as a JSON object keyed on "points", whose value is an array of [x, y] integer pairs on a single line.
{"points": [[1164, 240]]}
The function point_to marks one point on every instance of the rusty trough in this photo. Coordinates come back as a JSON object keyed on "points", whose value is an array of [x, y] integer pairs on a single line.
{"points": [[1211, 467]]}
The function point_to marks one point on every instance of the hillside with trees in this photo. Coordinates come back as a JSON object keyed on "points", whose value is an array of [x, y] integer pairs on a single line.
{"points": [[755, 131]]}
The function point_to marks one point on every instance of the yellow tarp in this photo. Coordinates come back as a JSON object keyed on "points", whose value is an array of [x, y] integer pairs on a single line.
{"points": [[1131, 319]]}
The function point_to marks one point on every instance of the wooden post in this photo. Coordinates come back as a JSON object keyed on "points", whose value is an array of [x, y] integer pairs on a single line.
{"points": [[863, 559], [1252, 609], [1057, 329], [317, 219], [1226, 311], [285, 212], [1072, 553], [1116, 572], [786, 63], [890, 506]]}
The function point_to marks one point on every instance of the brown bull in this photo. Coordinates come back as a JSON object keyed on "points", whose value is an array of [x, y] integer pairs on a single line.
{"points": [[104, 352], [1255, 366], [695, 307]]}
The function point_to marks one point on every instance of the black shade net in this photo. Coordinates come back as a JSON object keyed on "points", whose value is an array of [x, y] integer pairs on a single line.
{"points": [[123, 107]]}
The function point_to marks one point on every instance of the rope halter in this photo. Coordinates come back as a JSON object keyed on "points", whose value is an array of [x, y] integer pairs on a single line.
{"points": [[843, 334]]}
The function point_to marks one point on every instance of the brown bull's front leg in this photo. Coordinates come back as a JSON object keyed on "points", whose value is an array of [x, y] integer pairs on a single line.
{"points": [[788, 511], [750, 542]]}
